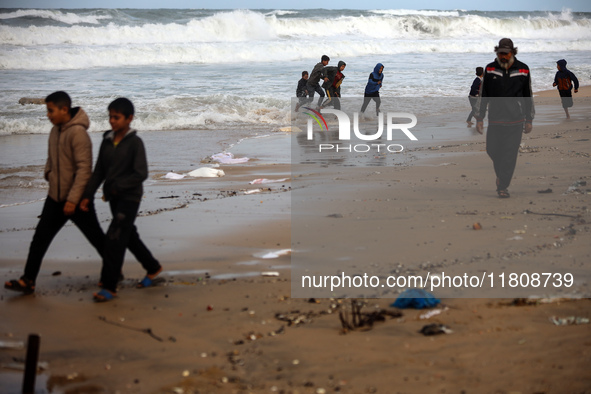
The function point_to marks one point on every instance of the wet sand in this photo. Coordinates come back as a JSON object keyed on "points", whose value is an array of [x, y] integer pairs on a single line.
{"points": [[219, 326]]}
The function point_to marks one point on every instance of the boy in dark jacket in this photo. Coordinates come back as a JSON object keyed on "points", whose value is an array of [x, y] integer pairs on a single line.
{"points": [[564, 79], [122, 165], [68, 169], [302, 91], [333, 79], [313, 85], [474, 93]]}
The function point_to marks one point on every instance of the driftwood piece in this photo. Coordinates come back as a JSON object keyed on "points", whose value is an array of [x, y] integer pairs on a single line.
{"points": [[363, 320], [30, 100]]}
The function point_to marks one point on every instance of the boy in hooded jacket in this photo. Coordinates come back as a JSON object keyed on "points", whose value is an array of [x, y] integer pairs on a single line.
{"points": [[333, 79], [372, 89], [123, 167], [67, 169], [563, 80]]}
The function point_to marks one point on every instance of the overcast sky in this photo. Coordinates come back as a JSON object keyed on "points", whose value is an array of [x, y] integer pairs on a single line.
{"points": [[505, 5]]}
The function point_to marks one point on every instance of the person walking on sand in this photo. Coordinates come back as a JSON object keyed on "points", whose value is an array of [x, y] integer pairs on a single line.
{"points": [[372, 89], [67, 169], [313, 84], [506, 90], [474, 93], [564, 80], [123, 167]]}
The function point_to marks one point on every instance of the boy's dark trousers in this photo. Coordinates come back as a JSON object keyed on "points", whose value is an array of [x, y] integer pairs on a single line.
{"points": [[473, 100], [122, 234], [316, 88], [52, 220], [375, 96], [502, 146]]}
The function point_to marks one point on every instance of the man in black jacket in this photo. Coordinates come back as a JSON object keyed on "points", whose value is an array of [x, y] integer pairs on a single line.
{"points": [[506, 91]]}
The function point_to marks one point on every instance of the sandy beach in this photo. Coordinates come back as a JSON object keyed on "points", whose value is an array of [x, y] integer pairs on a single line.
{"points": [[219, 325]]}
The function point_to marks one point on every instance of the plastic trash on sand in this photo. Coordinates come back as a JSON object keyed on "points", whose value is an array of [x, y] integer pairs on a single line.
{"points": [[173, 175], [270, 273], [415, 298], [228, 158], [206, 172], [567, 321], [273, 254], [260, 181], [435, 329]]}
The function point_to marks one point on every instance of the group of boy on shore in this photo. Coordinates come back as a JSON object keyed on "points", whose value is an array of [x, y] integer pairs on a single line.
{"points": [[333, 77], [121, 165]]}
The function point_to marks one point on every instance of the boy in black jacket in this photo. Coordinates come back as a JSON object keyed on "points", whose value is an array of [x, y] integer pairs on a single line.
{"points": [[564, 80], [302, 91], [122, 165]]}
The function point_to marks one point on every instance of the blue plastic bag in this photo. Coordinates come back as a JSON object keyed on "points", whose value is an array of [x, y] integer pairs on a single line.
{"points": [[415, 298]]}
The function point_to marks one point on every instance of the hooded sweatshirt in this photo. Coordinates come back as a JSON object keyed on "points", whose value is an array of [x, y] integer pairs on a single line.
{"points": [[123, 168], [69, 160], [564, 78], [375, 77], [334, 75]]}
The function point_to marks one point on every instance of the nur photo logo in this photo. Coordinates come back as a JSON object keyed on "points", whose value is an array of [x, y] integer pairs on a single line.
{"points": [[348, 131]]}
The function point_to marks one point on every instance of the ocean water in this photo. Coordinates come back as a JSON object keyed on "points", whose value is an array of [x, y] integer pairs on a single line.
{"points": [[236, 70]]}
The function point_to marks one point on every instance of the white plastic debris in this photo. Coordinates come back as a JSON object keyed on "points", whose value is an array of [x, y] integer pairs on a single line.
{"points": [[206, 172]]}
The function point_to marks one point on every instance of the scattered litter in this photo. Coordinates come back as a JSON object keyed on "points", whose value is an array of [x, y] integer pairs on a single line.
{"points": [[253, 191], [415, 298], [260, 181], [431, 313], [12, 344], [435, 329], [143, 330], [545, 191], [335, 215], [518, 231], [272, 254], [270, 273], [228, 158], [515, 238], [206, 172], [173, 175], [527, 211], [567, 321], [574, 188], [528, 149], [477, 226]]}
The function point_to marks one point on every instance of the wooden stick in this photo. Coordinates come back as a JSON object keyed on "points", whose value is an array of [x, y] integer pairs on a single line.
{"points": [[31, 364]]}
